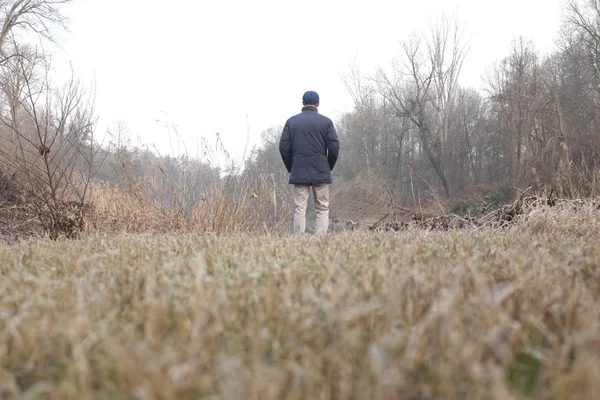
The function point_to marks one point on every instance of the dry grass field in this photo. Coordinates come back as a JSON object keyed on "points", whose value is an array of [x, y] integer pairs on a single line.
{"points": [[510, 313]]}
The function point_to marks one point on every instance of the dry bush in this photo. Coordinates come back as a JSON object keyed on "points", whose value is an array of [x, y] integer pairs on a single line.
{"points": [[207, 193], [244, 207], [48, 143], [220, 208], [584, 183], [484, 314], [132, 212], [568, 218]]}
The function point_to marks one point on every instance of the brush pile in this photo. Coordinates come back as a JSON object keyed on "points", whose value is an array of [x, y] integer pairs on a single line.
{"points": [[522, 209]]}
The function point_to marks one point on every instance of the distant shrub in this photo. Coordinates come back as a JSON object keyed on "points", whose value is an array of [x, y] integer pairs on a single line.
{"points": [[478, 206]]}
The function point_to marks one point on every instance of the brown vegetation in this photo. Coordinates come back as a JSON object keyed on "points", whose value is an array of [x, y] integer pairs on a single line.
{"points": [[475, 314], [182, 282]]}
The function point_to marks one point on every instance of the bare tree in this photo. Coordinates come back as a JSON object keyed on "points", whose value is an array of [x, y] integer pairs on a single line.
{"points": [[423, 86], [468, 137], [54, 153], [51, 147], [364, 127], [513, 88], [583, 24], [37, 16], [578, 81]]}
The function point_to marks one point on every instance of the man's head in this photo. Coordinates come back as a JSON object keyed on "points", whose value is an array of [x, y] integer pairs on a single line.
{"points": [[310, 98]]}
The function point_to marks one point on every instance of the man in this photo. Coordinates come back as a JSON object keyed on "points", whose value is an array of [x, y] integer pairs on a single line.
{"points": [[309, 148]]}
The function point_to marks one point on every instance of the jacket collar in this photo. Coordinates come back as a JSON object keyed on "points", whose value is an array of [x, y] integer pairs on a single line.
{"points": [[310, 108]]}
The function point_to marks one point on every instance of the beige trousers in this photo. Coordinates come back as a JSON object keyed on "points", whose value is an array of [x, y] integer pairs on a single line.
{"points": [[321, 194]]}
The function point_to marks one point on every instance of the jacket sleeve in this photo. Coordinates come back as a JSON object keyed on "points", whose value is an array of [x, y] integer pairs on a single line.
{"points": [[285, 148], [333, 146]]}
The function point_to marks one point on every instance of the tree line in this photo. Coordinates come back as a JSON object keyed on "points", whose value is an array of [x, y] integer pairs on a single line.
{"points": [[416, 128]]}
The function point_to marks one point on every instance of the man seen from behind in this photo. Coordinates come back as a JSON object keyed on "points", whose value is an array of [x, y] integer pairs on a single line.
{"points": [[309, 147]]}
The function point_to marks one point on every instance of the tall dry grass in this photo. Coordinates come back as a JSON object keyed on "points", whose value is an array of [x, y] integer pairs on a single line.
{"points": [[244, 206], [485, 313]]}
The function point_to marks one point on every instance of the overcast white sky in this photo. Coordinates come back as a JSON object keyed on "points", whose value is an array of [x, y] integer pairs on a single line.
{"points": [[205, 65]]}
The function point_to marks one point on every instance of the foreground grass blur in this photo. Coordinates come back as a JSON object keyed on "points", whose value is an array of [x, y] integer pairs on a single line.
{"points": [[471, 314]]}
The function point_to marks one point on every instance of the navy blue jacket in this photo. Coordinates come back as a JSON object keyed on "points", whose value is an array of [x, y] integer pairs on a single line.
{"points": [[309, 147]]}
